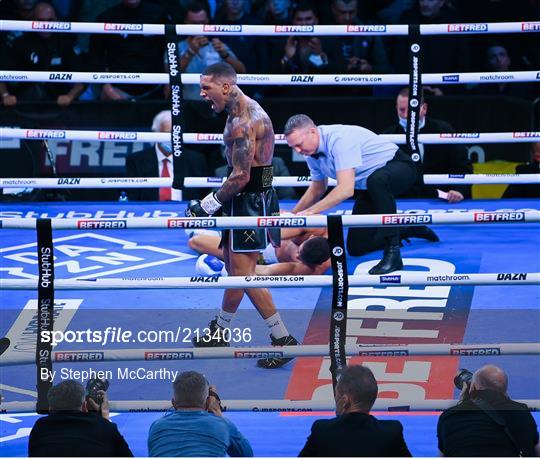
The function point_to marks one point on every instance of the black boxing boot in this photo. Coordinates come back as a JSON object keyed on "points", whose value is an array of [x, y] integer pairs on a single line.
{"points": [[277, 362], [391, 261], [216, 336], [421, 232]]}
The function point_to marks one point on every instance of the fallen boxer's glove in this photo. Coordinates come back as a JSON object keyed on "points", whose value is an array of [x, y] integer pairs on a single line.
{"points": [[208, 265], [208, 206]]}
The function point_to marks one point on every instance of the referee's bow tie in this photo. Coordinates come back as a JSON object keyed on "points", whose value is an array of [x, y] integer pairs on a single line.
{"points": [[318, 155]]}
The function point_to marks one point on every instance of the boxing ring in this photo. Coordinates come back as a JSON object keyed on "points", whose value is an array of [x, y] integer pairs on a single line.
{"points": [[472, 298]]}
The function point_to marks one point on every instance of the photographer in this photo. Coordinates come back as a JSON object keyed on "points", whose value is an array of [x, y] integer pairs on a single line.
{"points": [[487, 422], [196, 427], [78, 424]]}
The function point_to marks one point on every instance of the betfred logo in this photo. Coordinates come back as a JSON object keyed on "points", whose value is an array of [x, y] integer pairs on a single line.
{"points": [[222, 28], [78, 356], [468, 27], [530, 26], [117, 135], [460, 135], [293, 28], [456, 176], [191, 223], [210, 137], [281, 222], [489, 217], [390, 279], [102, 224], [366, 28], [522, 135], [45, 134], [167, 355], [406, 219], [476, 351], [124, 27], [50, 25], [257, 355]]}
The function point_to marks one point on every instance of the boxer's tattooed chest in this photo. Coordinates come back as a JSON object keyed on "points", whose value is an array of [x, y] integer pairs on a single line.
{"points": [[249, 142]]}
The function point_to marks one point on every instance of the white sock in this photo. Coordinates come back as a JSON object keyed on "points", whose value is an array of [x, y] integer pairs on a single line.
{"points": [[224, 318], [276, 326]]}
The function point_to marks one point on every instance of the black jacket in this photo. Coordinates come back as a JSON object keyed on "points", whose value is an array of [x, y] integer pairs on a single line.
{"points": [[530, 190], [355, 434], [465, 430], [143, 164], [438, 159], [76, 434]]}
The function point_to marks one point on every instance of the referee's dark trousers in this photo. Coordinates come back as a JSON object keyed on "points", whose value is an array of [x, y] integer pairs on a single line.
{"points": [[396, 177]]}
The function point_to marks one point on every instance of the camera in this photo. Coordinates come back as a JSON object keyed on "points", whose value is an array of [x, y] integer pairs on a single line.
{"points": [[93, 386], [462, 378]]}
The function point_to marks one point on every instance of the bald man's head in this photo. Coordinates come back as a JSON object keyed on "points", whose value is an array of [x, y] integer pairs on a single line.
{"points": [[490, 377]]}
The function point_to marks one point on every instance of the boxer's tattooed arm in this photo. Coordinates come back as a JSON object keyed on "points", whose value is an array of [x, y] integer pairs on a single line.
{"points": [[242, 154]]}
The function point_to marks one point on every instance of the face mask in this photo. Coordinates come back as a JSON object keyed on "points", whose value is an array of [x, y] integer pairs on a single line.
{"points": [[403, 123], [166, 147]]}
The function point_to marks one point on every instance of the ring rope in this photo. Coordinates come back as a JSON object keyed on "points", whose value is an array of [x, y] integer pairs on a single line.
{"points": [[205, 182], [271, 79], [267, 30], [303, 350], [295, 221], [223, 282], [381, 404], [202, 138]]}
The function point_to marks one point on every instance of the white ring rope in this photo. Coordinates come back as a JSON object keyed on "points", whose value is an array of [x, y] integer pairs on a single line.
{"points": [[268, 30], [303, 350], [261, 79], [206, 182], [295, 221], [200, 138], [217, 282], [381, 404]]}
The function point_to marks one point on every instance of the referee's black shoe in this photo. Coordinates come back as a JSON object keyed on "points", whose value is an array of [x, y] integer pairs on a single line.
{"points": [[215, 336], [277, 362], [391, 261]]}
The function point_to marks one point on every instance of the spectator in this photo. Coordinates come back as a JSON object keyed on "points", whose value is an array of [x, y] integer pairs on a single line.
{"points": [[354, 432], [366, 166], [435, 159], [354, 54], [198, 52], [251, 51], [486, 422], [157, 162], [42, 51], [18, 10], [276, 12], [76, 427], [497, 59], [304, 54], [128, 52], [531, 190], [454, 49], [196, 427]]}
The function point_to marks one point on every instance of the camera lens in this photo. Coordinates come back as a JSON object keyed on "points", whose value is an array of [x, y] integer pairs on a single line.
{"points": [[463, 377]]}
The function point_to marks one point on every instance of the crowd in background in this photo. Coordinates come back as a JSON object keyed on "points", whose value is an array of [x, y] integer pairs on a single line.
{"points": [[276, 54]]}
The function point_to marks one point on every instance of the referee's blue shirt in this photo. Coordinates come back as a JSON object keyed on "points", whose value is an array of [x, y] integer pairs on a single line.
{"points": [[349, 147]]}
